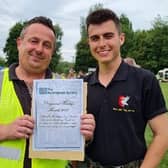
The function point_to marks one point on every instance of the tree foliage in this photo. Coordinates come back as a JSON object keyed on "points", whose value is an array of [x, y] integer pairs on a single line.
{"points": [[159, 41], [127, 29], [2, 62], [57, 54], [84, 59], [10, 48], [63, 67], [150, 46]]}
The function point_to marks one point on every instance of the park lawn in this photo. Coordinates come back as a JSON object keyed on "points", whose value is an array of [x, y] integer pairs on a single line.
{"points": [[148, 133]]}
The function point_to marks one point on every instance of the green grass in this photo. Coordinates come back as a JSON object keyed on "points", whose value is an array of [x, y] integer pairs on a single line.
{"points": [[164, 87], [148, 133]]}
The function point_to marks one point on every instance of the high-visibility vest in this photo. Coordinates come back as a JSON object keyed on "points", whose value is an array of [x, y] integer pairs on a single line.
{"points": [[12, 152]]}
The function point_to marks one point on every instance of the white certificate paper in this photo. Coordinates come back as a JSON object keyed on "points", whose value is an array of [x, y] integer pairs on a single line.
{"points": [[56, 107]]}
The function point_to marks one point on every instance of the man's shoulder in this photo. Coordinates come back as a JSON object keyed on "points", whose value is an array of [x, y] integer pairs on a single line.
{"points": [[141, 72]]}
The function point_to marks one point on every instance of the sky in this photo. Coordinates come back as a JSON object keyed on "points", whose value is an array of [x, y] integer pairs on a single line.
{"points": [[68, 14]]}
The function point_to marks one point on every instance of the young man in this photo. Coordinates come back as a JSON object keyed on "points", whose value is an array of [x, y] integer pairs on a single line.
{"points": [[123, 99], [36, 45]]}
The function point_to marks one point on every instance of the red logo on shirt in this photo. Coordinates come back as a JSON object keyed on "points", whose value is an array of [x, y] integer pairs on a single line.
{"points": [[122, 101]]}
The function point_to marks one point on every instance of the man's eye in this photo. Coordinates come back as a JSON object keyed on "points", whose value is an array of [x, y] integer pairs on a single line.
{"points": [[48, 46], [34, 41], [94, 38], [108, 36]]}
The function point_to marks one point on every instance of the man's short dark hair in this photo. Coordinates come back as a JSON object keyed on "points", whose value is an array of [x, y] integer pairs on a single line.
{"points": [[41, 20], [102, 15]]}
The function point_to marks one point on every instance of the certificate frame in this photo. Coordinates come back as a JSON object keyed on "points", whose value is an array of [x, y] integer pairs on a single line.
{"points": [[58, 154]]}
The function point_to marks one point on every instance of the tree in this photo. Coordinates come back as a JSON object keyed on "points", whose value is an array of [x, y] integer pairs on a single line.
{"points": [[159, 42], [142, 48], [2, 62], [127, 29], [150, 47], [57, 54], [10, 48], [63, 67], [84, 59]]}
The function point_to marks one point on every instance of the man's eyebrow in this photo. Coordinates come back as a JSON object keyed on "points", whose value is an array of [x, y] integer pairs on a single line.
{"points": [[108, 33], [94, 35]]}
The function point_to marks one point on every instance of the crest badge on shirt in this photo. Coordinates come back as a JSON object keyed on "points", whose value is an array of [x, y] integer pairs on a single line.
{"points": [[123, 101], [123, 104]]}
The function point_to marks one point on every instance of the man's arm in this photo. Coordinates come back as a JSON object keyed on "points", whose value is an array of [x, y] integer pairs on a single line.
{"points": [[159, 144]]}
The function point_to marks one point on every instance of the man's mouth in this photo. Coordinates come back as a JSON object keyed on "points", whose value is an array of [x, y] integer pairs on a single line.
{"points": [[103, 53]]}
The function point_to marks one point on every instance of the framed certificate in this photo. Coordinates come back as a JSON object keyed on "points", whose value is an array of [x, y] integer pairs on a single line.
{"points": [[57, 105]]}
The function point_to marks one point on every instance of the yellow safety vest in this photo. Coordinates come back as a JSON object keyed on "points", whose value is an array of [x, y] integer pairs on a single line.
{"points": [[12, 152]]}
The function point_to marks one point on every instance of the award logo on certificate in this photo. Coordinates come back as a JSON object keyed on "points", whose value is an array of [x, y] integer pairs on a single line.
{"points": [[57, 105]]}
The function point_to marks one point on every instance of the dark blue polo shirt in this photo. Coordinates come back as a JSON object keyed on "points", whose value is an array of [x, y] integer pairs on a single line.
{"points": [[122, 110]]}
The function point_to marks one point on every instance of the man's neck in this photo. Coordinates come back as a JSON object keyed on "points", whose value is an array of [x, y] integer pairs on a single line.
{"points": [[107, 71], [22, 74]]}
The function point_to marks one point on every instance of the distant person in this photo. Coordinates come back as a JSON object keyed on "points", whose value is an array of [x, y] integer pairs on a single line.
{"points": [[123, 99], [81, 74], [71, 74], [63, 76], [131, 61], [35, 45]]}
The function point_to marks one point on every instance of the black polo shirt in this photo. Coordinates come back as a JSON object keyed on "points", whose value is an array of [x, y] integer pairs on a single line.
{"points": [[122, 110], [25, 100]]}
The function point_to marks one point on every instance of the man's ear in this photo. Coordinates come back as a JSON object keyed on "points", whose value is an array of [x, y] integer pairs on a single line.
{"points": [[18, 41], [122, 38]]}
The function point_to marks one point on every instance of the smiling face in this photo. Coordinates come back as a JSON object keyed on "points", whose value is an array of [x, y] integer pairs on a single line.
{"points": [[105, 42], [35, 48]]}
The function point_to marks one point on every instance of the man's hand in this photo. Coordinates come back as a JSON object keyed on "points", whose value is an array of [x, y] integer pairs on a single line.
{"points": [[87, 126], [20, 128]]}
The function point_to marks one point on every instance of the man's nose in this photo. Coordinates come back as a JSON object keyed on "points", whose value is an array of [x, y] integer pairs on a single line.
{"points": [[39, 48], [102, 42]]}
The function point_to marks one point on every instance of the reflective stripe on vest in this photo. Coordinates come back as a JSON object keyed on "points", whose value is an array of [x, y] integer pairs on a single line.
{"points": [[12, 151], [9, 153]]}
